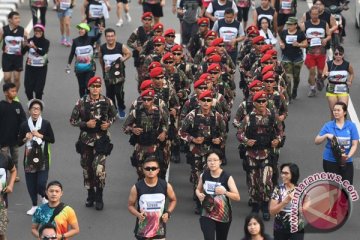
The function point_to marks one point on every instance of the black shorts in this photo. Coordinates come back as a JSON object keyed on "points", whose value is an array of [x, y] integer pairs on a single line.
{"points": [[12, 63], [122, 1], [243, 14], [156, 9], [282, 18]]}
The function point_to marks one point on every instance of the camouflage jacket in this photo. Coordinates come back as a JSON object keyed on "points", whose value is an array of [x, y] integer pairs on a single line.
{"points": [[196, 124], [148, 60], [157, 101], [135, 40], [262, 128], [188, 68], [180, 83], [85, 109]]}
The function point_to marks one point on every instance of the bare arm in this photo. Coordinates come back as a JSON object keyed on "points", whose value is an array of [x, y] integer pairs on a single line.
{"points": [[126, 53], [354, 144], [320, 139], [10, 185], [351, 76], [172, 198], [34, 230], [233, 194], [132, 202]]}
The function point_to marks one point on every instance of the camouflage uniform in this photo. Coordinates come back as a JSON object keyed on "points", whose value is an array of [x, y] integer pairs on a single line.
{"points": [[263, 129], [153, 123], [153, 57], [93, 163], [180, 83], [188, 68]]}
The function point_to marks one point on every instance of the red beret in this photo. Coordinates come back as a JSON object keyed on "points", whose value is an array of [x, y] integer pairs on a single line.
{"points": [[156, 72], [94, 79], [158, 26], [148, 92], [217, 41], [203, 21], [167, 56], [206, 76], [251, 28], [199, 82], [268, 75], [210, 50], [272, 52], [265, 58], [146, 84], [169, 31], [211, 33], [260, 94], [267, 68], [154, 65], [147, 15], [214, 66], [255, 83], [159, 39], [206, 93], [258, 39], [214, 58], [266, 47], [177, 48], [254, 32]]}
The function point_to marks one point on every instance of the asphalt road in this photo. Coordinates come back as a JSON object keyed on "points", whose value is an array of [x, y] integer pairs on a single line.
{"points": [[306, 116]]}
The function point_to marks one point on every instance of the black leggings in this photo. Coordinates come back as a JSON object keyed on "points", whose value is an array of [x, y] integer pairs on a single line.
{"points": [[83, 78], [211, 227], [34, 82], [116, 90], [346, 172], [279, 235], [36, 184], [42, 15], [243, 14]]}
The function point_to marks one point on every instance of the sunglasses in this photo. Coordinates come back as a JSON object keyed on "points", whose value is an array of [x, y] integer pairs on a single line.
{"points": [[206, 100], [221, 45], [274, 57], [49, 237], [268, 62], [177, 54], [159, 77], [168, 62], [269, 81], [338, 54], [170, 36], [147, 19], [147, 99], [214, 73], [210, 38], [150, 169], [201, 88], [95, 86], [158, 31], [158, 45], [255, 89], [261, 101], [260, 43]]}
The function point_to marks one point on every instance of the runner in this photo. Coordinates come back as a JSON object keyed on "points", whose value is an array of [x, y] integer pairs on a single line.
{"points": [[64, 12]]}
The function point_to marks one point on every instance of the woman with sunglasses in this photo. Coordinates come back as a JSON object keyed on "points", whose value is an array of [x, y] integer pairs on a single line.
{"points": [[280, 204], [291, 41], [36, 63], [346, 135], [215, 190], [340, 74]]}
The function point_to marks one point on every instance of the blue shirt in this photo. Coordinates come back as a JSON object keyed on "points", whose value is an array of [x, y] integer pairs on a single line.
{"points": [[345, 136]]}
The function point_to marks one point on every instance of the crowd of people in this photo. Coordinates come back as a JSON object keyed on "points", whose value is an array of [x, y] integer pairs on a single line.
{"points": [[186, 95]]}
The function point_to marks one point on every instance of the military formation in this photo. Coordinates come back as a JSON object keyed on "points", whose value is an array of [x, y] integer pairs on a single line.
{"points": [[186, 97]]}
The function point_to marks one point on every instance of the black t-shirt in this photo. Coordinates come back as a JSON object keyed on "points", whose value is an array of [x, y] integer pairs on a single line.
{"points": [[290, 51], [6, 164]]}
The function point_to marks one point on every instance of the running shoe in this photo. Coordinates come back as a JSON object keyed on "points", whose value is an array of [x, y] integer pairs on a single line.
{"points": [[119, 23], [68, 43], [31, 211], [122, 114], [128, 17], [63, 41], [319, 84], [312, 93], [44, 200]]}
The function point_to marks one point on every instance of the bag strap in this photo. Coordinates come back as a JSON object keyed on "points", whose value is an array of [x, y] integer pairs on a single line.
{"points": [[57, 210]]}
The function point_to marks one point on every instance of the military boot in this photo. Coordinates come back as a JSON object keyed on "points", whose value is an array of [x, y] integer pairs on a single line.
{"points": [[265, 211], [90, 198], [99, 204]]}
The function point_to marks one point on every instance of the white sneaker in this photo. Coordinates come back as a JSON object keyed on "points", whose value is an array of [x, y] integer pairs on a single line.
{"points": [[128, 17], [31, 211], [44, 200], [120, 23]]}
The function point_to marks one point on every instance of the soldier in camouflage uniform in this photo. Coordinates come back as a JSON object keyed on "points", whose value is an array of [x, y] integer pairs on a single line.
{"points": [[156, 55], [157, 31], [138, 38], [148, 126], [169, 36], [204, 130], [260, 132], [198, 40], [209, 37], [182, 63], [225, 57], [94, 114], [165, 91]]}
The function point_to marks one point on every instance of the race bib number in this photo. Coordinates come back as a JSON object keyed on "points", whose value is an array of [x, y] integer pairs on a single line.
{"points": [[209, 187], [340, 88], [13, 50], [286, 4], [96, 11], [219, 14], [243, 3], [290, 39], [228, 37], [38, 3], [315, 42], [65, 4], [344, 141]]}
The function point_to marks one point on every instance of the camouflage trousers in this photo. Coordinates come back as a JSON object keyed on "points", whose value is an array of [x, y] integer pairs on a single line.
{"points": [[292, 70], [93, 165], [259, 177], [12, 151], [4, 220], [198, 165]]}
